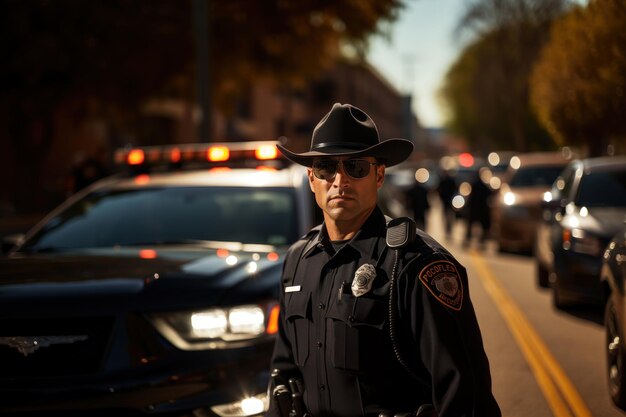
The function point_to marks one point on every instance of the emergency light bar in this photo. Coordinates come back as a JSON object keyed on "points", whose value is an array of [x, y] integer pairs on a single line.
{"points": [[221, 154]]}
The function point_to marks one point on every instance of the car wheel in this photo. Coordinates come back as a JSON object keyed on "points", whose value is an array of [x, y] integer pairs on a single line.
{"points": [[615, 357], [543, 275], [559, 300], [502, 247]]}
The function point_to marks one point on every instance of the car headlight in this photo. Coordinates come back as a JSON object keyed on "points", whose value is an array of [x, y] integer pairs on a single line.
{"points": [[509, 198], [250, 406], [465, 189], [547, 196], [217, 327], [208, 324], [495, 183], [246, 320], [458, 202], [577, 240]]}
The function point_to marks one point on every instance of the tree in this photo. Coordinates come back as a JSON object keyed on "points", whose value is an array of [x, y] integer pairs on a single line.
{"points": [[125, 49], [487, 89], [459, 98], [112, 55], [481, 17], [579, 84]]}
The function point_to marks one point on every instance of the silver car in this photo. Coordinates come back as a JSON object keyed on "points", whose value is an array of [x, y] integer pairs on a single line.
{"points": [[517, 208]]}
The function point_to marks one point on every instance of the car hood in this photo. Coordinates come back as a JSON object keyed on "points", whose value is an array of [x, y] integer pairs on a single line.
{"points": [[145, 279], [602, 221]]}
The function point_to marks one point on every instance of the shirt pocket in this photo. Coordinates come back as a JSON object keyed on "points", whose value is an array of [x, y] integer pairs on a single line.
{"points": [[357, 332], [298, 317]]}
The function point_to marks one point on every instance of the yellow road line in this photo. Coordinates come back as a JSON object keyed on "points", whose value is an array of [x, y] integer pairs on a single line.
{"points": [[546, 369]]}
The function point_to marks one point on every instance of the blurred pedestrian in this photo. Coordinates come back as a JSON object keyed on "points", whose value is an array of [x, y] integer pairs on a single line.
{"points": [[479, 209], [446, 190], [417, 201]]}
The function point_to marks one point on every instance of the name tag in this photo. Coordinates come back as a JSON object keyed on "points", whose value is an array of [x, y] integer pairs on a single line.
{"points": [[293, 288]]}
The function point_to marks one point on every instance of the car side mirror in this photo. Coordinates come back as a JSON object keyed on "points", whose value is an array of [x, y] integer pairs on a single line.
{"points": [[10, 241]]}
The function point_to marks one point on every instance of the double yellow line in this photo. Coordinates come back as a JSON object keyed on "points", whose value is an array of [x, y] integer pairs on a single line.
{"points": [[561, 395]]}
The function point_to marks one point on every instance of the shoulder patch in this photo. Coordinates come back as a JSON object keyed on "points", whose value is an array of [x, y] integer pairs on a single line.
{"points": [[443, 281]]}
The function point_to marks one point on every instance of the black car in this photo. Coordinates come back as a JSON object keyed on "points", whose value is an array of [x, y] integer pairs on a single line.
{"points": [[587, 207], [152, 293], [613, 276]]}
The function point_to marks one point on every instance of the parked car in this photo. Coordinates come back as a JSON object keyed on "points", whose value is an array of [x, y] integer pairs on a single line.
{"points": [[517, 210], [613, 278], [153, 293], [587, 207], [498, 165]]}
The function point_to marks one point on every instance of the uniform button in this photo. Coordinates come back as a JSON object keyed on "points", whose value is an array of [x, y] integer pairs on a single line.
{"points": [[322, 306], [322, 387], [319, 344], [351, 318]]}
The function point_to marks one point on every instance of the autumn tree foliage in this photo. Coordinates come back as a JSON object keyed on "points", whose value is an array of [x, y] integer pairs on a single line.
{"points": [[124, 50], [109, 56], [486, 91], [487, 99], [579, 84]]}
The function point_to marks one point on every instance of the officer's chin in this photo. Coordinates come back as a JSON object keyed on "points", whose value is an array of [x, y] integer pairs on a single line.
{"points": [[339, 213]]}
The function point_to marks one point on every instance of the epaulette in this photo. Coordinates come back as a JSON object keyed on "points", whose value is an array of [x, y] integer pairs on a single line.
{"points": [[309, 238], [400, 232], [295, 253], [316, 229], [302, 240], [403, 233]]}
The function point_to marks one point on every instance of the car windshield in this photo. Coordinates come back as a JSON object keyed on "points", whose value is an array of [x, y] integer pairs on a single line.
{"points": [[171, 215], [535, 176], [603, 189]]}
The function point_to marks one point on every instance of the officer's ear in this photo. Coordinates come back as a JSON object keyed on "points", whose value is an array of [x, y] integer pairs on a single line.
{"points": [[380, 175], [311, 176]]}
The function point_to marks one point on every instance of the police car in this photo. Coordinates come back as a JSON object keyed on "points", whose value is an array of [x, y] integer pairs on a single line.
{"points": [[154, 292]]}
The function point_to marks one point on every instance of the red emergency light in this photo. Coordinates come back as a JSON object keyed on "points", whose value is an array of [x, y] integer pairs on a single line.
{"points": [[218, 154], [136, 157], [266, 152], [466, 160]]}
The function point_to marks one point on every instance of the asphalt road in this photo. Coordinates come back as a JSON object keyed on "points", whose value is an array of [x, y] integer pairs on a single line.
{"points": [[544, 362]]}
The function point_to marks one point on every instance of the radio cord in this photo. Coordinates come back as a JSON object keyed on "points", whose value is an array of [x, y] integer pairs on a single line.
{"points": [[393, 315]]}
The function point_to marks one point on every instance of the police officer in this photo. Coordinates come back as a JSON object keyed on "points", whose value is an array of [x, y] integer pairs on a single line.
{"points": [[366, 327]]}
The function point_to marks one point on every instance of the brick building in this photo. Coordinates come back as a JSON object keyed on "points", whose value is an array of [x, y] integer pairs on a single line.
{"points": [[269, 111]]}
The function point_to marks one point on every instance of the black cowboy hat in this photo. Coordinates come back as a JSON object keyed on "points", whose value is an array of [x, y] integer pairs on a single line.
{"points": [[348, 131]]}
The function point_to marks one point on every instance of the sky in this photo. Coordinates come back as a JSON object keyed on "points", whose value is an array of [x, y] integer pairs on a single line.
{"points": [[421, 48]]}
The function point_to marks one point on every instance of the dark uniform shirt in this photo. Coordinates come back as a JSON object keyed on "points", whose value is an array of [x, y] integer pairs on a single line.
{"points": [[340, 345]]}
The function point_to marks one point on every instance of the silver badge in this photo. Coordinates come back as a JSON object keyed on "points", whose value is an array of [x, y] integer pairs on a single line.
{"points": [[363, 279]]}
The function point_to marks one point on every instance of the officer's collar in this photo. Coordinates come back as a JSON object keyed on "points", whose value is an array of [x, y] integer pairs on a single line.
{"points": [[364, 240]]}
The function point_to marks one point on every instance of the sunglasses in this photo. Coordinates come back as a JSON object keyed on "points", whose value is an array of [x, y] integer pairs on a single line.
{"points": [[326, 169]]}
